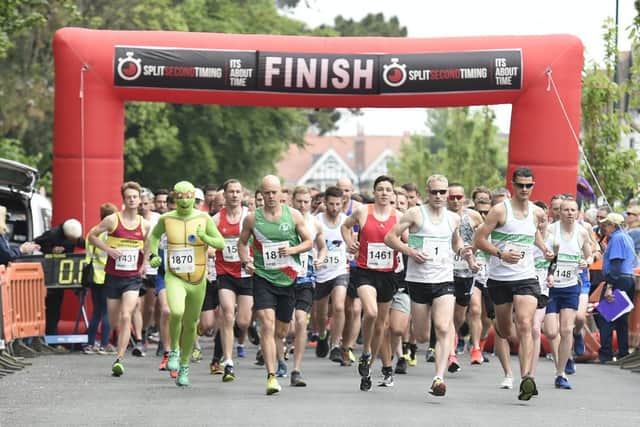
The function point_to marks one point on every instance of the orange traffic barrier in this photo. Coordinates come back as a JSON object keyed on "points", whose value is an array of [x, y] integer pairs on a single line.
{"points": [[27, 293], [7, 311]]}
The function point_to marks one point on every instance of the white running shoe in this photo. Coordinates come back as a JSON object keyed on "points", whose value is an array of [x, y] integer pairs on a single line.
{"points": [[507, 383]]}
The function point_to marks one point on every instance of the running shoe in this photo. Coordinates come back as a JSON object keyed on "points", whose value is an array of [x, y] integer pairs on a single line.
{"points": [[454, 366], [296, 379], [352, 355], [431, 355], [229, 374], [281, 372], [117, 369], [346, 357], [259, 358], [507, 383], [183, 376], [241, 351], [89, 349], [365, 383], [438, 387], [476, 356], [570, 367], [401, 366], [578, 344], [527, 388], [322, 348], [196, 355], [138, 350], [336, 354], [101, 351], [272, 385], [110, 349], [173, 364], [163, 362], [413, 355], [562, 382], [364, 365], [460, 346], [252, 333], [387, 377], [215, 368]]}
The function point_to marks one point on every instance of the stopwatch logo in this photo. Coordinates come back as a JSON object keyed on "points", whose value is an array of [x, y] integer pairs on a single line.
{"points": [[129, 68], [394, 74]]}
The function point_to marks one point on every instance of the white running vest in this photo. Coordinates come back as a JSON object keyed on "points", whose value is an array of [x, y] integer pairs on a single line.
{"points": [[568, 251], [307, 258], [335, 264], [515, 235], [435, 241]]}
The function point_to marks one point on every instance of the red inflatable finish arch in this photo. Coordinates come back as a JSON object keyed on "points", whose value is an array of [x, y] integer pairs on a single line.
{"points": [[97, 71]]}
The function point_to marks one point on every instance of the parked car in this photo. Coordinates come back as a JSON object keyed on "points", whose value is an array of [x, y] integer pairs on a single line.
{"points": [[28, 212]]}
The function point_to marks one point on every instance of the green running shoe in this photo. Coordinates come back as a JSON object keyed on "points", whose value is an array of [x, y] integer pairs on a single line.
{"points": [[174, 360], [183, 377], [117, 369]]}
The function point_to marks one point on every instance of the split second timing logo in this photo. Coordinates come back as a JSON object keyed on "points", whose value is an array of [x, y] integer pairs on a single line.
{"points": [[394, 74], [129, 68]]}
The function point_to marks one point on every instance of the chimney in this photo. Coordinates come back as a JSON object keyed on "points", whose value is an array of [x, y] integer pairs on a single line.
{"points": [[359, 151]]}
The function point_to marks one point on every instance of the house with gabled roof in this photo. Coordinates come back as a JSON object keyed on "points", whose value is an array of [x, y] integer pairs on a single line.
{"points": [[325, 159]]}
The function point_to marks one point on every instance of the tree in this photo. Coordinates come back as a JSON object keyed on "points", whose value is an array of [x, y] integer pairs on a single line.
{"points": [[604, 121], [460, 136]]}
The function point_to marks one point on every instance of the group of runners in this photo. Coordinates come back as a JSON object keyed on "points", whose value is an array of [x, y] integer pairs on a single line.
{"points": [[397, 271]]}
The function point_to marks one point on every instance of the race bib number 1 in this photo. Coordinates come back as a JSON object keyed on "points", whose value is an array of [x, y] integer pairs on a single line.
{"points": [[182, 260], [128, 261], [379, 256]]}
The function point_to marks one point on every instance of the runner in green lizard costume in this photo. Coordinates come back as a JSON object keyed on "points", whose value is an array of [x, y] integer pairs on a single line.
{"points": [[189, 232]]}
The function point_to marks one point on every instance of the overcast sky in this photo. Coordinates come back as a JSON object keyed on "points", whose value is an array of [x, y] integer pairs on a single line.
{"points": [[443, 18]]}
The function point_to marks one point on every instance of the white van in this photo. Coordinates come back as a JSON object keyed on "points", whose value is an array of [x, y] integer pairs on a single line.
{"points": [[28, 212]]}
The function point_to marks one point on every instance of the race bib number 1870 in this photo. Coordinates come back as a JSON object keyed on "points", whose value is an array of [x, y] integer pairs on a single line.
{"points": [[182, 260]]}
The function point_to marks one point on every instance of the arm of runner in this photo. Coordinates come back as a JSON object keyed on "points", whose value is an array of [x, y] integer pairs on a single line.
{"points": [[539, 241], [153, 241], [491, 221], [346, 229], [306, 242], [321, 247], [211, 236], [108, 224], [243, 240], [587, 258], [393, 238]]}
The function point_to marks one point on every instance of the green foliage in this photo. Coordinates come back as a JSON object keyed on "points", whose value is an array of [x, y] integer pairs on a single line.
{"points": [[604, 122], [459, 137]]}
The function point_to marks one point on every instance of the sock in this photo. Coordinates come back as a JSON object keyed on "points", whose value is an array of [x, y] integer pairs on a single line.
{"points": [[482, 343], [228, 362]]}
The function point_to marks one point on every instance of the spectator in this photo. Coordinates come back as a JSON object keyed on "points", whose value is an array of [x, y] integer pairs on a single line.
{"points": [[7, 252], [619, 261], [99, 294], [61, 239], [632, 222]]}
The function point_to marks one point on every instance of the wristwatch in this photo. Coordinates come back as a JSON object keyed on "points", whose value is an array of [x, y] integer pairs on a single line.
{"points": [[499, 254], [243, 264]]}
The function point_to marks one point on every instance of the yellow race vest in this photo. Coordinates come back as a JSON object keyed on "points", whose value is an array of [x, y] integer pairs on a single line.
{"points": [[186, 253]]}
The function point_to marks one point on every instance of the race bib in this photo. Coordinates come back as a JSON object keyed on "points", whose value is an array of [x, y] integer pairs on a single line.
{"points": [[521, 248], [304, 264], [379, 256], [482, 268], [128, 261], [436, 250], [336, 258], [272, 258], [182, 260], [459, 263], [230, 251], [566, 272]]}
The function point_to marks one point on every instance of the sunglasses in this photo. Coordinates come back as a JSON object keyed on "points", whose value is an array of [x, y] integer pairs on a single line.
{"points": [[526, 186], [483, 212], [456, 196], [631, 213], [187, 195], [440, 192]]}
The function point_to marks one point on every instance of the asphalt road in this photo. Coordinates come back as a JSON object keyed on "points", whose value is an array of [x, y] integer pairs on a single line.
{"points": [[78, 390]]}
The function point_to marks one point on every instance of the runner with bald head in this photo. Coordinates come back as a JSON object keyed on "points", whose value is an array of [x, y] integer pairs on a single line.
{"points": [[279, 237]]}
